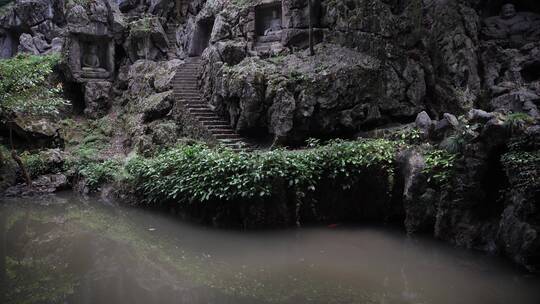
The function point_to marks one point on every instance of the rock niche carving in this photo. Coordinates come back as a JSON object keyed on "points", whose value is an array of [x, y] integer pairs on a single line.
{"points": [[268, 22], [90, 44], [518, 28]]}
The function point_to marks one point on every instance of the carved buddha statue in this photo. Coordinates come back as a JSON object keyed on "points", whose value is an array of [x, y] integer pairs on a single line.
{"points": [[275, 24], [91, 59], [515, 27]]}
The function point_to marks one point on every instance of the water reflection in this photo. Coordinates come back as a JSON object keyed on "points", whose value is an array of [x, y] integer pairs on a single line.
{"points": [[64, 250]]}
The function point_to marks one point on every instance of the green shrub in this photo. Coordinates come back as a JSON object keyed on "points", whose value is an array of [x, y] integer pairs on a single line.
{"points": [[518, 120], [200, 173], [34, 163], [522, 163], [98, 173], [439, 167], [524, 166], [26, 85]]}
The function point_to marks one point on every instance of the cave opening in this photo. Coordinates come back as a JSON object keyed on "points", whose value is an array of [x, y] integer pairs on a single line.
{"points": [[201, 37], [531, 72]]}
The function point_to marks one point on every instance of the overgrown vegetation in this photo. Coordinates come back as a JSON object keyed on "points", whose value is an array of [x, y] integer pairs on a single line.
{"points": [[28, 88], [518, 120], [101, 172], [26, 85], [200, 173], [439, 167], [522, 163], [35, 164]]}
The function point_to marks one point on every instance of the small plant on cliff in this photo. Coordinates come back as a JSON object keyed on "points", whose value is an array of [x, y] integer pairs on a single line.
{"points": [[35, 164], [518, 120], [439, 167], [522, 163]]}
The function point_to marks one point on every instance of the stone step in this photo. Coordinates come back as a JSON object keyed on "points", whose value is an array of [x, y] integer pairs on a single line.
{"points": [[190, 97], [197, 107], [222, 131], [180, 88], [217, 124], [186, 78], [180, 92], [215, 120], [201, 111], [185, 89], [188, 92], [190, 85], [180, 82], [207, 115], [227, 136], [187, 86]]}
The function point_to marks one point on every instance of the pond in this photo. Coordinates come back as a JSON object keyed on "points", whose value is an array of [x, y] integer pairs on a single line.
{"points": [[63, 249]]}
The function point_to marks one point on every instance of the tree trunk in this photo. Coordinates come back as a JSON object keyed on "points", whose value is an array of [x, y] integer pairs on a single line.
{"points": [[310, 12], [18, 160]]}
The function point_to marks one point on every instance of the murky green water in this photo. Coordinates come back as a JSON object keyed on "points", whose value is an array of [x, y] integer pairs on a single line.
{"points": [[66, 250]]}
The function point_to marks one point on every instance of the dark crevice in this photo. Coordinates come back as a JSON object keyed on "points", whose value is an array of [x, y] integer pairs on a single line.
{"points": [[75, 93], [493, 182]]}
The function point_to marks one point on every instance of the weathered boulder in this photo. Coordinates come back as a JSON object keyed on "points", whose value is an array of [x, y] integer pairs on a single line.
{"points": [[43, 185], [30, 127], [157, 105], [424, 123], [481, 116]]}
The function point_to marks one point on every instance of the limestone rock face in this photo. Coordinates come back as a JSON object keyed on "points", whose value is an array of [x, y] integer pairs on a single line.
{"points": [[32, 25], [147, 99], [338, 91], [97, 98], [32, 12], [512, 77], [488, 204]]}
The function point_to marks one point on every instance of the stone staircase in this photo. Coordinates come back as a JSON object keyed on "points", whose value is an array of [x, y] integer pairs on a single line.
{"points": [[185, 88]]}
